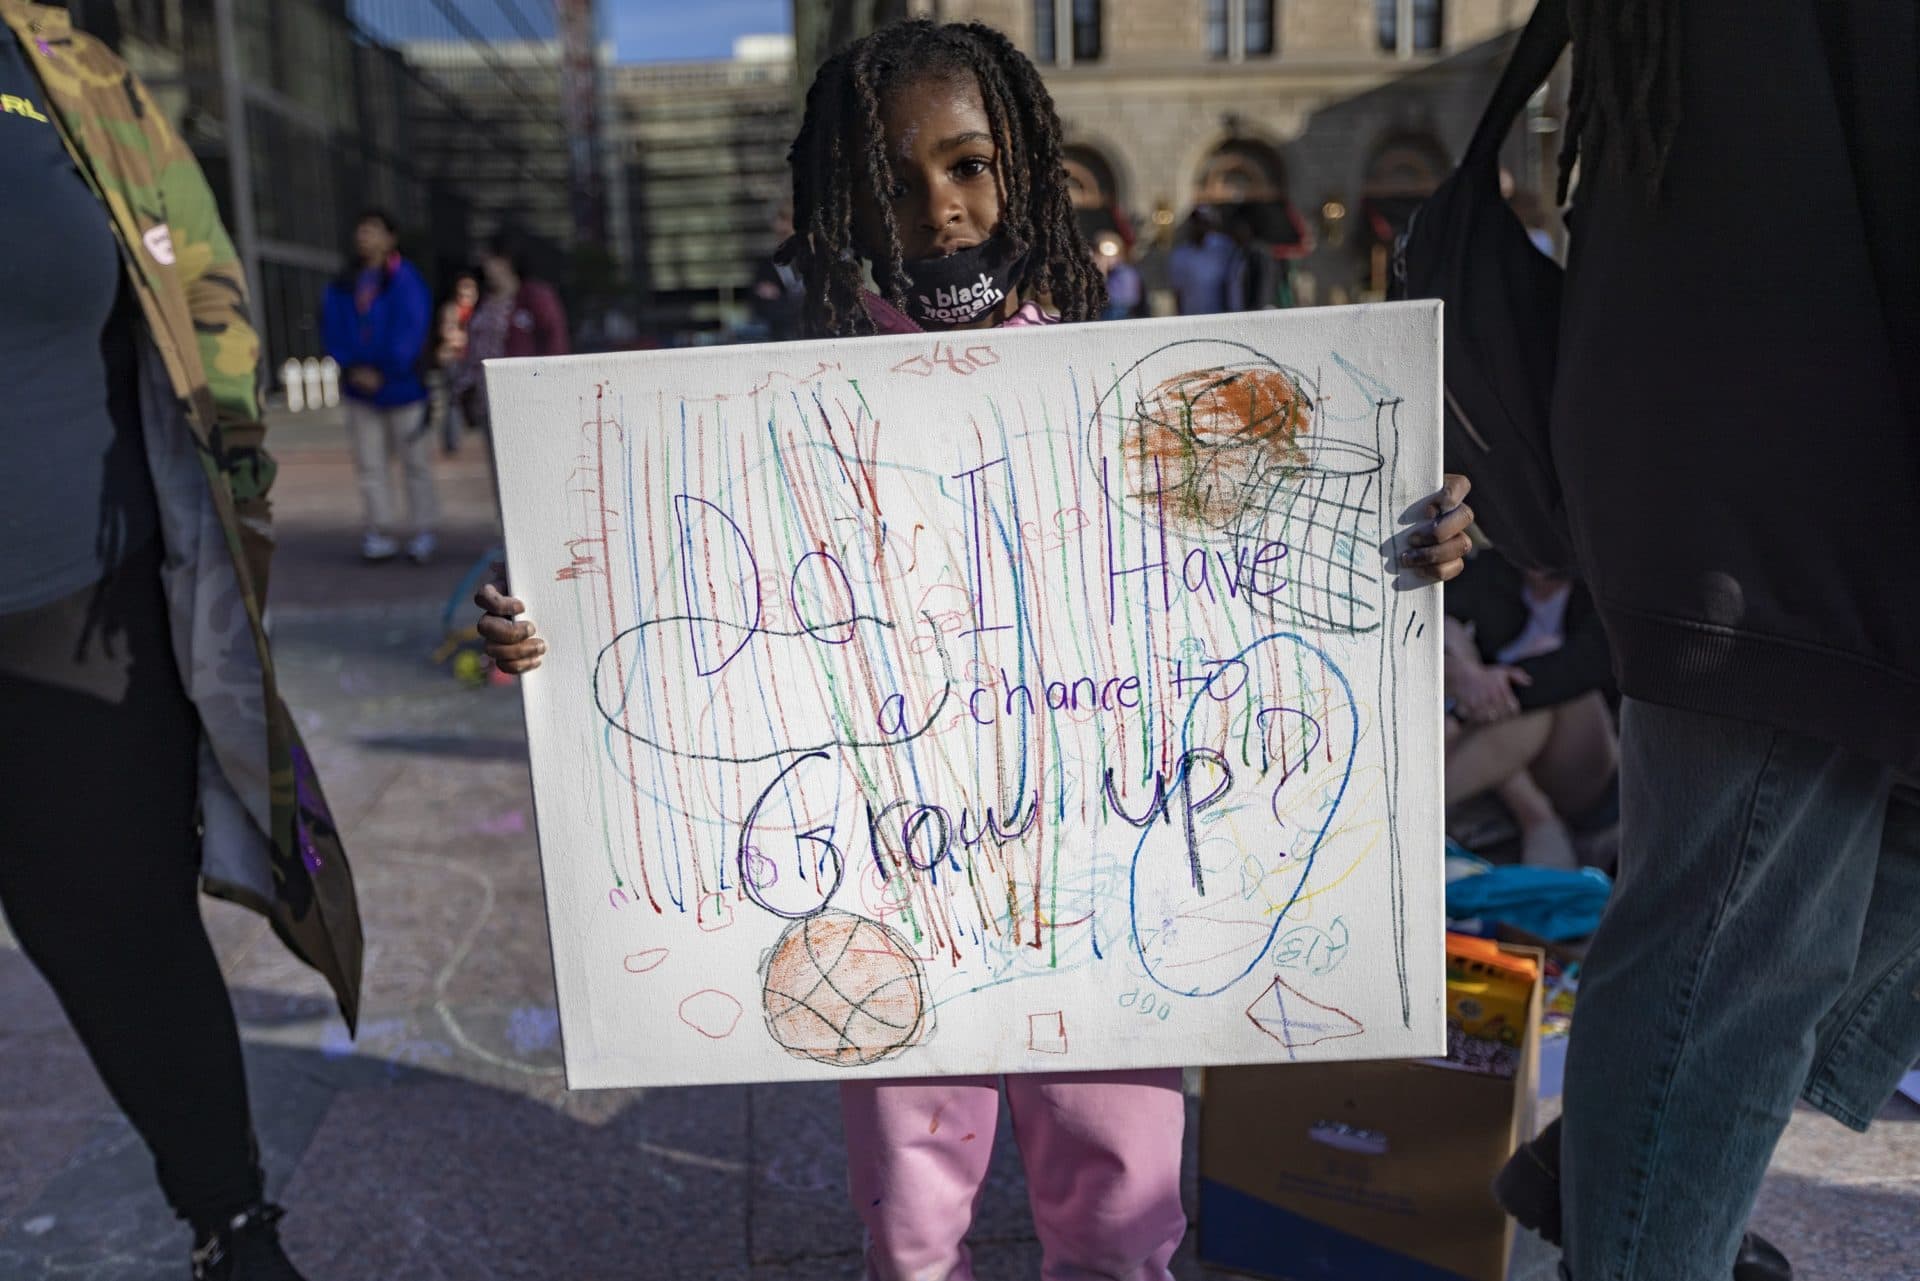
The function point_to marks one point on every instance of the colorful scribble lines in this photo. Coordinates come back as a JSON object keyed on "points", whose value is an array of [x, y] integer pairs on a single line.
{"points": [[1197, 438], [1047, 1032], [778, 380], [645, 961], [1197, 943], [1298, 1021], [947, 358], [714, 911], [712, 1013], [844, 990], [1043, 680], [1312, 950], [1221, 446], [612, 663]]}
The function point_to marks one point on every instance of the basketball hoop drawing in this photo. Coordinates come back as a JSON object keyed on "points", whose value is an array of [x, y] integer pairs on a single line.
{"points": [[1212, 443]]}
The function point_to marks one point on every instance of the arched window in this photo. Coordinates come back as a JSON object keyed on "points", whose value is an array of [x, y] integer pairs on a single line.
{"points": [[1095, 193], [1401, 173], [1240, 170], [1090, 180], [1244, 182]]}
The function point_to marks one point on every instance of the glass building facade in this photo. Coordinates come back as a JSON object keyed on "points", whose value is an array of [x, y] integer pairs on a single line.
{"points": [[701, 149], [303, 113]]}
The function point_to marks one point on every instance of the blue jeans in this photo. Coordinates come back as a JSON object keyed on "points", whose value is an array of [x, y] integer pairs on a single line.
{"points": [[1763, 944]]}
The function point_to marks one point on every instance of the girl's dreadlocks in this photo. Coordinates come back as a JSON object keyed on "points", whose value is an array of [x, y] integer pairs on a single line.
{"points": [[1625, 101], [841, 150]]}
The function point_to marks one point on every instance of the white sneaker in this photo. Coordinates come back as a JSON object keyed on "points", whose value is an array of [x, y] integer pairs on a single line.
{"points": [[377, 546], [420, 548]]}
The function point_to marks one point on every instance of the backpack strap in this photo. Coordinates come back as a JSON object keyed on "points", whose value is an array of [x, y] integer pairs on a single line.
{"points": [[1546, 36]]}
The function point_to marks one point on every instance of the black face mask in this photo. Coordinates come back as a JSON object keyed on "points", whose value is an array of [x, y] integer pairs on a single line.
{"points": [[964, 286]]}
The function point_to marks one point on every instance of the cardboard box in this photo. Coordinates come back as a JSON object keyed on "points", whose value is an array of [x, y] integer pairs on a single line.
{"points": [[1488, 989], [1362, 1171]]}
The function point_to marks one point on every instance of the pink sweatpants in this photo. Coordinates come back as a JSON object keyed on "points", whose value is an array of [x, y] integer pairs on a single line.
{"points": [[1102, 1155]]}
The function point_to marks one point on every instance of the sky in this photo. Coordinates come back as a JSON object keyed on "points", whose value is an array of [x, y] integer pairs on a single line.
{"points": [[651, 30], [642, 30]]}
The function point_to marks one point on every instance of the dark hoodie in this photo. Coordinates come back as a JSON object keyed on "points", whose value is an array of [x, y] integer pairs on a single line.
{"points": [[1737, 411]]}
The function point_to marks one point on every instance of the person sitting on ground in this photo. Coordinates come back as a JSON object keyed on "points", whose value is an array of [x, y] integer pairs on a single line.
{"points": [[1528, 682]]}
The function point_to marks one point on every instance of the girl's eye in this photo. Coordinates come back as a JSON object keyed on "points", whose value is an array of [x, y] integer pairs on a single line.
{"points": [[897, 191], [972, 167]]}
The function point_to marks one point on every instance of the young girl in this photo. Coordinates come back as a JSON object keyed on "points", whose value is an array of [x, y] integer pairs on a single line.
{"points": [[929, 194]]}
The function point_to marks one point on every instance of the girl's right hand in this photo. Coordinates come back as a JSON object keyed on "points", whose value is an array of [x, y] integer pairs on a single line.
{"points": [[511, 641]]}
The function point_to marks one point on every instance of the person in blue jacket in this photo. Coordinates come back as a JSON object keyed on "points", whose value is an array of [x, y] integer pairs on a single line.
{"points": [[376, 320]]}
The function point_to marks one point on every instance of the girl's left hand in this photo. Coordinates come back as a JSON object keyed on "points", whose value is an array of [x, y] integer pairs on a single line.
{"points": [[1437, 547], [510, 640]]}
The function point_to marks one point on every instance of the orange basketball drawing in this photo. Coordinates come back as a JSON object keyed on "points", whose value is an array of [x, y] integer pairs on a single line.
{"points": [[1199, 440], [845, 990]]}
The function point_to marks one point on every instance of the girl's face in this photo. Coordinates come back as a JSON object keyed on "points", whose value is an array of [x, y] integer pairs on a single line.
{"points": [[945, 184]]}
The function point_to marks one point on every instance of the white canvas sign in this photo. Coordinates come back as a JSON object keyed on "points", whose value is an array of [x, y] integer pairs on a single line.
{"points": [[1015, 700]]}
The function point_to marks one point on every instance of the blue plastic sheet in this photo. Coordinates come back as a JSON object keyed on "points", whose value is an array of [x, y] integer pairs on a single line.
{"points": [[1552, 904]]}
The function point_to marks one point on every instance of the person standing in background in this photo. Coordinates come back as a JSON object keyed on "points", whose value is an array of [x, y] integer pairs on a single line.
{"points": [[1207, 268], [520, 316], [1124, 293], [376, 321], [456, 314], [450, 350], [779, 296]]}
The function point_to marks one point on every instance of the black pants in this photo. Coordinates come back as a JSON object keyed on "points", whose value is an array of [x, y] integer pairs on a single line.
{"points": [[99, 871]]}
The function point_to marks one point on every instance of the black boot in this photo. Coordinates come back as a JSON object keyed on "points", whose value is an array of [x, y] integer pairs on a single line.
{"points": [[247, 1248], [1528, 1188]]}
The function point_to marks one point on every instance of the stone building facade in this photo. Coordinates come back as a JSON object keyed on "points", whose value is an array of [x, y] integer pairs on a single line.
{"points": [[1334, 115]]}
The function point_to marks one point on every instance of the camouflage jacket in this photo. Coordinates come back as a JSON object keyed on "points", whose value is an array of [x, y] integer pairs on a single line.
{"points": [[268, 840]]}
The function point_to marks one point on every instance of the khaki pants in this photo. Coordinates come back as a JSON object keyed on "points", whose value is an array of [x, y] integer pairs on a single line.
{"points": [[378, 434]]}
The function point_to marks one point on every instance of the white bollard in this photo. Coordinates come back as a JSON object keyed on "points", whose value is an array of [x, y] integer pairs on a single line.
{"points": [[290, 379], [329, 382], [310, 371]]}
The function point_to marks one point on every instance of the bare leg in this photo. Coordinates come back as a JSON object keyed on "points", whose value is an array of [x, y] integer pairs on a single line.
{"points": [[1580, 756], [1482, 757], [1544, 839]]}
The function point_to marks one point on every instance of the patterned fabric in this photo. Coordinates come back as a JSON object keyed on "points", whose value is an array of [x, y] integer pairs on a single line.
{"points": [[486, 337], [270, 842], [486, 340]]}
